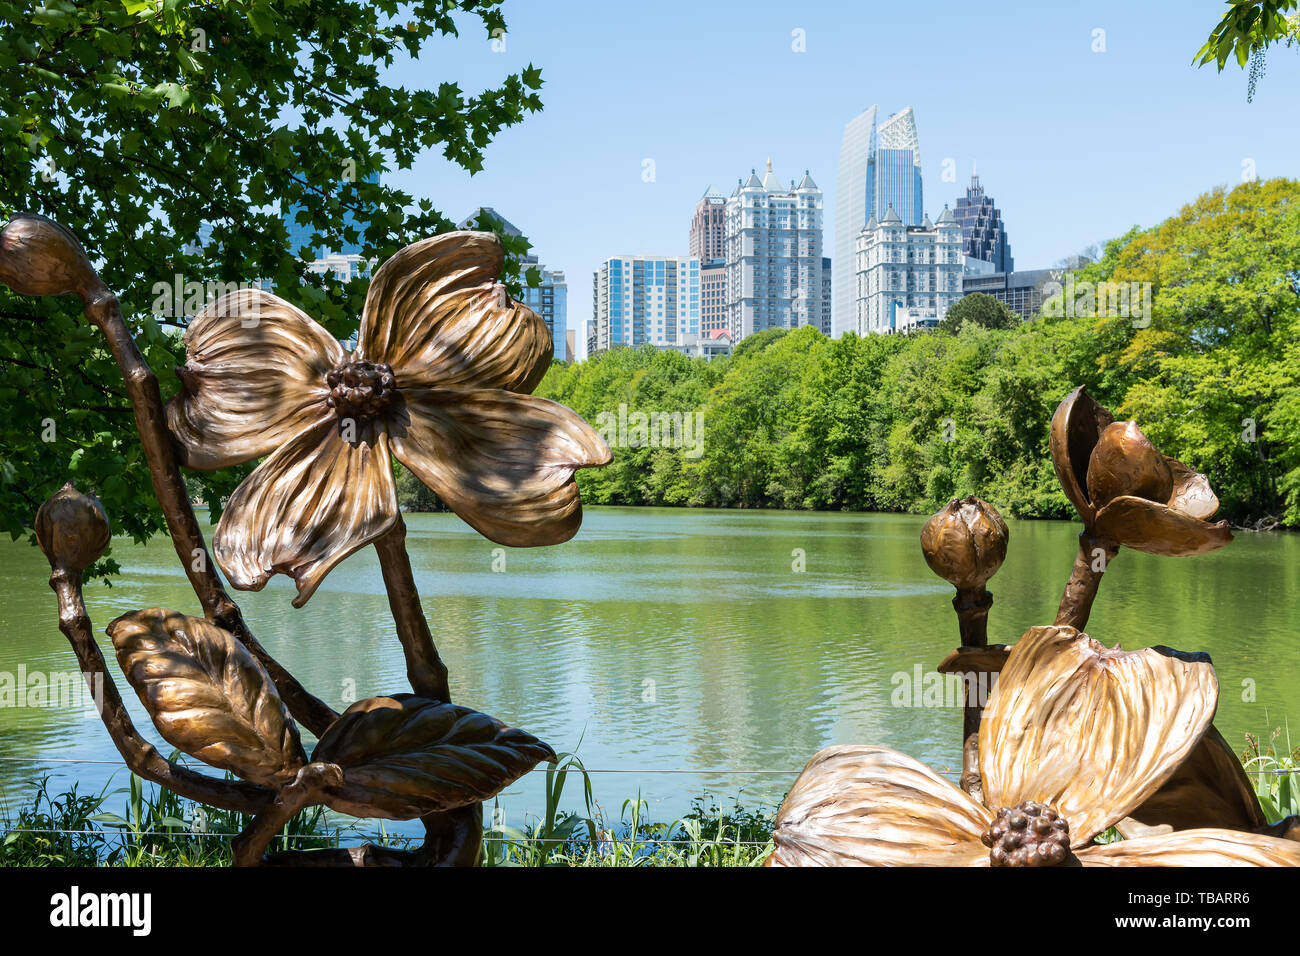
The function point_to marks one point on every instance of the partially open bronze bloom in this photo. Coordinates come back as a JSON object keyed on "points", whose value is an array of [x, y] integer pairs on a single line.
{"points": [[1125, 490], [439, 378], [1074, 739]]}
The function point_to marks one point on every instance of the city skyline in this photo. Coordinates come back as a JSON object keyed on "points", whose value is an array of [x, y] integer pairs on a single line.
{"points": [[1066, 129]]}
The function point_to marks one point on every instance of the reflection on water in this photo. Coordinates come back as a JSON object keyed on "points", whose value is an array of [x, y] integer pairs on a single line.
{"points": [[669, 639]]}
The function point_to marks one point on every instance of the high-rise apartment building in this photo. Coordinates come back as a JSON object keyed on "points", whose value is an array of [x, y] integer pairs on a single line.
{"points": [[827, 325], [713, 295], [880, 168], [709, 227], [639, 300], [983, 234], [550, 300], [907, 276], [773, 254]]}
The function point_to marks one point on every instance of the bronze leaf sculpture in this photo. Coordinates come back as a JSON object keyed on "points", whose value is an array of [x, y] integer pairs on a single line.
{"points": [[1075, 739], [440, 381]]}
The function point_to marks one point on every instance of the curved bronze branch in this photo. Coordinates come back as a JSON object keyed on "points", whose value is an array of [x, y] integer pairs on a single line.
{"points": [[141, 756], [104, 312], [1081, 589], [424, 668]]}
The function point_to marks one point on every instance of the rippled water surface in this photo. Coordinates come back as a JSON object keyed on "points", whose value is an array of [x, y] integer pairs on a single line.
{"points": [[681, 640]]}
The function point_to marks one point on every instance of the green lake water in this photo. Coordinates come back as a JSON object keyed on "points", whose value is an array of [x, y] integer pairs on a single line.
{"points": [[678, 640]]}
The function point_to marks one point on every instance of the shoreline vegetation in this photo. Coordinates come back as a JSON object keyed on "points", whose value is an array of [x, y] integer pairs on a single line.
{"points": [[156, 828], [794, 420]]}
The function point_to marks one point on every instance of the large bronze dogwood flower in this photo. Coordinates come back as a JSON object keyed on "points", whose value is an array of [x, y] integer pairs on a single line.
{"points": [[443, 362], [1074, 739], [1125, 490]]}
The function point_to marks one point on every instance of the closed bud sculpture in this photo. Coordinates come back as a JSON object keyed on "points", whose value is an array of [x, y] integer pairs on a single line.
{"points": [[965, 542], [40, 257], [72, 529]]}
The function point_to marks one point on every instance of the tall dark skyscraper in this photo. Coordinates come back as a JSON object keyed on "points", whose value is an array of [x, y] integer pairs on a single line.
{"points": [[983, 234]]}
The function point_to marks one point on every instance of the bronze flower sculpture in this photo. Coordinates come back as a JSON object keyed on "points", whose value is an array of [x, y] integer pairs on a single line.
{"points": [[1125, 490], [439, 380], [442, 361], [1073, 740]]}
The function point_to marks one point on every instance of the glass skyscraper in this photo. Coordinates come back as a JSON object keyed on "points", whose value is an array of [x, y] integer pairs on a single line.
{"points": [[880, 167], [300, 236]]}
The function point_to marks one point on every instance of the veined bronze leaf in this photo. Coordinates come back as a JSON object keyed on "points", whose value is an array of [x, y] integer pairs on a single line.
{"points": [[404, 756], [207, 694], [872, 806]]}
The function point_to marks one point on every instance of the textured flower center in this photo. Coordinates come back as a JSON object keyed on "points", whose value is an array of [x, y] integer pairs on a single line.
{"points": [[1032, 834], [360, 390]]}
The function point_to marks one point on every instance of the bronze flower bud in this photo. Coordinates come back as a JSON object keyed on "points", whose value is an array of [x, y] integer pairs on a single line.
{"points": [[1125, 490], [40, 257], [72, 529], [965, 542], [1124, 462]]}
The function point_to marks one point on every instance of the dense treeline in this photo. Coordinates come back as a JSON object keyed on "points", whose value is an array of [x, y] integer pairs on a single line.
{"points": [[795, 420]]}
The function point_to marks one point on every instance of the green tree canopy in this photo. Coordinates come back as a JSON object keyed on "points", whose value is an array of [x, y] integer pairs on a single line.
{"points": [[1245, 32], [137, 123], [982, 309], [905, 422]]}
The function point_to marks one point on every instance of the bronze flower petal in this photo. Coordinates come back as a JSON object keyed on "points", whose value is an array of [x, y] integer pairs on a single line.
{"points": [[254, 378], [1076, 426], [1192, 494], [1158, 529], [1090, 731], [1209, 789], [1195, 848], [873, 806], [502, 461], [438, 316], [306, 508]]}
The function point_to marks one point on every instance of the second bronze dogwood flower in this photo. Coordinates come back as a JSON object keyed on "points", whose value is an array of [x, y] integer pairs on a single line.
{"points": [[439, 378]]}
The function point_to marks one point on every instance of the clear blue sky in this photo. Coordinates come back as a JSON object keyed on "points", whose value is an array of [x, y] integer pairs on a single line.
{"points": [[1074, 146]]}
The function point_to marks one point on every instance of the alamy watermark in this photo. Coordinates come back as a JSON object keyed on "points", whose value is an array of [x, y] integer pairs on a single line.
{"points": [[919, 688], [626, 429], [1129, 300], [60, 689], [181, 299]]}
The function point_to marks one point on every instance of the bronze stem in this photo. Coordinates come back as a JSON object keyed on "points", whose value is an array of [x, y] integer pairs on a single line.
{"points": [[249, 846], [453, 838], [105, 313], [972, 607], [141, 756], [1081, 589], [424, 668]]}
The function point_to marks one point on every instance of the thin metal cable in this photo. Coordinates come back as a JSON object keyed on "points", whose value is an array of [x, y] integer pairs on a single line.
{"points": [[702, 771]]}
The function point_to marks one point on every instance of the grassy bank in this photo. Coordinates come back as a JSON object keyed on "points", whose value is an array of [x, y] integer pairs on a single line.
{"points": [[146, 825], [157, 828]]}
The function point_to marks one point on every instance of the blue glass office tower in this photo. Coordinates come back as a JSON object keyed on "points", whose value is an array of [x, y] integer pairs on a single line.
{"points": [[880, 167], [300, 235]]}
